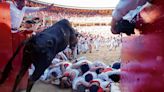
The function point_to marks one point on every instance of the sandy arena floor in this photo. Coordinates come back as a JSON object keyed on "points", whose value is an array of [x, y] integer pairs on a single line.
{"points": [[103, 54]]}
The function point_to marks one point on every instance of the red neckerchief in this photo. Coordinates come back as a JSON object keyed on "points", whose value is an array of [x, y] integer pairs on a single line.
{"points": [[66, 74], [108, 85], [93, 81], [100, 90], [107, 69], [66, 65]]}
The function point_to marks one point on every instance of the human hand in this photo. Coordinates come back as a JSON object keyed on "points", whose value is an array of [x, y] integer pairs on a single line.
{"points": [[47, 8], [113, 26]]}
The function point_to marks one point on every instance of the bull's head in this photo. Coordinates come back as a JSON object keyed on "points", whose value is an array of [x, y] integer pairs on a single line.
{"points": [[73, 39], [71, 36]]}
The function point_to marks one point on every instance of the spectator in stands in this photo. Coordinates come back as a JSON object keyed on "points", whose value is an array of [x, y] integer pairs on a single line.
{"points": [[28, 28], [18, 9], [29, 24], [37, 24]]}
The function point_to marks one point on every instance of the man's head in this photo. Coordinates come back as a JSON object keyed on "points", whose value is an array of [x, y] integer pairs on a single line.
{"points": [[84, 68], [88, 77], [94, 88], [115, 77], [116, 65], [54, 74], [99, 70], [20, 3], [81, 88], [65, 82], [29, 23], [36, 19]]}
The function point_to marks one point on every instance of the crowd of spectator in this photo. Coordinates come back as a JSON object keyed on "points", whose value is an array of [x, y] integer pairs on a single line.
{"points": [[73, 15]]}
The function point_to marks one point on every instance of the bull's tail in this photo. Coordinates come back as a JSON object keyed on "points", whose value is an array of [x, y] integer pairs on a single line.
{"points": [[8, 66]]}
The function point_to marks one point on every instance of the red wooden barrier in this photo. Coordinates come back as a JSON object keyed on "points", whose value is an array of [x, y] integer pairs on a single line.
{"points": [[143, 63], [143, 56], [8, 44], [5, 35]]}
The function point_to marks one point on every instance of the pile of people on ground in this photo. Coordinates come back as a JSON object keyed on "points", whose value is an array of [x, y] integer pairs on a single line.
{"points": [[81, 74]]}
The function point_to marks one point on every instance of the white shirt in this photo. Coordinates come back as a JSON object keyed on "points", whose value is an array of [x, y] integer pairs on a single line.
{"points": [[79, 63], [57, 70], [76, 82], [99, 63], [56, 61], [73, 73], [105, 76], [103, 84], [17, 15], [64, 57]]}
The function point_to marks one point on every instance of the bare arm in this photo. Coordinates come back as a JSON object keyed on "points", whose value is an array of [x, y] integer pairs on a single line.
{"points": [[36, 9], [95, 68], [86, 84], [122, 8]]}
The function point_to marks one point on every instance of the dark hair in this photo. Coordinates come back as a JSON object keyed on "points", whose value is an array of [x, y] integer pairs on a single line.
{"points": [[125, 26], [54, 74], [116, 65], [81, 88], [88, 77], [98, 70], [84, 68], [30, 22], [115, 77], [93, 88], [36, 18]]}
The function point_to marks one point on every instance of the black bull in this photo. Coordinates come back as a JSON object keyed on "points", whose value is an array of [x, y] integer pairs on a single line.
{"points": [[40, 50]]}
